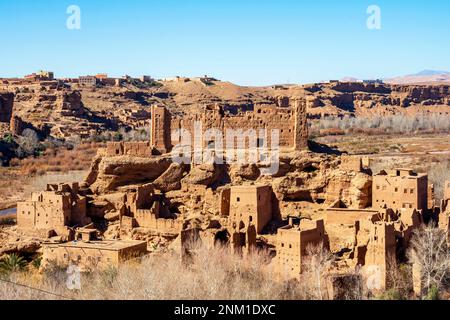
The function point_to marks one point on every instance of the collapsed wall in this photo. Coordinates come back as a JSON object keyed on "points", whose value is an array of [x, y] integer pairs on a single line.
{"points": [[291, 124]]}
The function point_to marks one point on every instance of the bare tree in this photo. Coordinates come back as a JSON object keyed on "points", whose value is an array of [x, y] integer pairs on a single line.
{"points": [[438, 173], [399, 279], [429, 252], [317, 264], [29, 141]]}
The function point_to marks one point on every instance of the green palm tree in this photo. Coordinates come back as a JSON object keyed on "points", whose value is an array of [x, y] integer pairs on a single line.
{"points": [[12, 263]]}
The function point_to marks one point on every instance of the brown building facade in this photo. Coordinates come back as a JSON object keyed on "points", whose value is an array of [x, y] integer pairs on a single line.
{"points": [[249, 205], [87, 80], [447, 190], [293, 242], [400, 188], [92, 255], [54, 209]]}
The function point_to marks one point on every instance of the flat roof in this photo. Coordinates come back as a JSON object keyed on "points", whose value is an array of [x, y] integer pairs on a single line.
{"points": [[114, 245]]}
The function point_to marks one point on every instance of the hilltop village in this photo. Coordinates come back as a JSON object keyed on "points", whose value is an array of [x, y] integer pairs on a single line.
{"points": [[89, 105], [136, 201]]}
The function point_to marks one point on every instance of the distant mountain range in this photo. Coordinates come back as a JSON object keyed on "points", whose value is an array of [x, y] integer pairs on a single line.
{"points": [[422, 77], [426, 73]]}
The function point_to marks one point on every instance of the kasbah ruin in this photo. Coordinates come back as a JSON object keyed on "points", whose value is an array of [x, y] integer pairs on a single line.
{"points": [[135, 198]]}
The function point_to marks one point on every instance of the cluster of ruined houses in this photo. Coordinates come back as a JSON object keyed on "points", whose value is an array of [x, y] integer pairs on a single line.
{"points": [[100, 79], [61, 213], [401, 199], [88, 80]]}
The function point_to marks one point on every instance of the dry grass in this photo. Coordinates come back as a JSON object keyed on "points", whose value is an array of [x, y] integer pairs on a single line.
{"points": [[212, 274], [33, 174], [377, 125], [60, 160]]}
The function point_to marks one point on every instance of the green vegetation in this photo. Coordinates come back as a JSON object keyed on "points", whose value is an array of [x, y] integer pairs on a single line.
{"points": [[8, 138], [433, 293], [37, 262], [12, 263]]}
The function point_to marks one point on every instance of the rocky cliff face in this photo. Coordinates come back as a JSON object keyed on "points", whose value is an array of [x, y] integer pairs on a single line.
{"points": [[58, 111], [303, 176], [362, 99]]}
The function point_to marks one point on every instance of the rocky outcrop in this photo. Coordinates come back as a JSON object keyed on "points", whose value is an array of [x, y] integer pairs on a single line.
{"points": [[113, 172], [171, 179], [302, 176], [204, 174], [244, 172], [353, 189]]}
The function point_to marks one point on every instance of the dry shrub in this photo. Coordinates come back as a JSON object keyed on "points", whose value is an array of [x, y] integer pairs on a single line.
{"points": [[399, 279], [398, 124], [212, 274], [315, 268], [60, 160], [429, 253], [438, 173]]}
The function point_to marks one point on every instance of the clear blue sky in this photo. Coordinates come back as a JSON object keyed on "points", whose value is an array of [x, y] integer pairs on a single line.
{"points": [[249, 42]]}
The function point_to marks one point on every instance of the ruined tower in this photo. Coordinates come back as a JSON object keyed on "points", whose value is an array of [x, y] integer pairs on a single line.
{"points": [[381, 251], [160, 129], [301, 125]]}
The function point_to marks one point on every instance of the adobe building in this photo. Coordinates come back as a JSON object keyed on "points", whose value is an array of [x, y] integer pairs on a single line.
{"points": [[58, 207], [400, 188], [381, 252], [41, 75], [6, 106], [145, 78], [46, 75], [92, 255], [248, 205], [444, 214], [144, 209], [431, 197], [87, 81], [351, 163], [447, 190], [293, 241], [291, 123], [339, 214], [243, 240], [408, 220]]}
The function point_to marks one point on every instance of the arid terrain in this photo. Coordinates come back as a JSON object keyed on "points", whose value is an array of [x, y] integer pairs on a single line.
{"points": [[87, 169]]}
